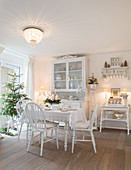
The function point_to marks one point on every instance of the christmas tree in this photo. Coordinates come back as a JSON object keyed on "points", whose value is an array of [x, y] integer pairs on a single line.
{"points": [[12, 96]]}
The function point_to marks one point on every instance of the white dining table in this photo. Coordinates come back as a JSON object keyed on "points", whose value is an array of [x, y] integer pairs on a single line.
{"points": [[69, 117]]}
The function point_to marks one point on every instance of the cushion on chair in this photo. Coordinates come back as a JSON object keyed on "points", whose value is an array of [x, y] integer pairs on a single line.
{"points": [[41, 127], [81, 125], [51, 124]]}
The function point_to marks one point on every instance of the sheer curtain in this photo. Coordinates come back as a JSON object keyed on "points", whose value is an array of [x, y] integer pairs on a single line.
{"points": [[30, 79]]}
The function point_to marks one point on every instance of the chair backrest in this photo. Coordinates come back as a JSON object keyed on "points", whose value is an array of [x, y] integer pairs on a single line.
{"points": [[94, 115], [35, 115], [20, 107]]}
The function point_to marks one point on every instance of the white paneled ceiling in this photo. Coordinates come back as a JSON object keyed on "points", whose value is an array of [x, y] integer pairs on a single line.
{"points": [[71, 26]]}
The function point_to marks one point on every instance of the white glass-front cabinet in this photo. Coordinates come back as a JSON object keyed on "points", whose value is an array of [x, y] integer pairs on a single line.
{"points": [[69, 74]]}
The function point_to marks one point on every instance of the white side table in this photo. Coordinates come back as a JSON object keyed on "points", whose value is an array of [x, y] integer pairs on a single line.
{"points": [[115, 108]]}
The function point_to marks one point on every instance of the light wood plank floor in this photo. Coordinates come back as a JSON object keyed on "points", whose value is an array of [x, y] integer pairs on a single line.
{"points": [[113, 153]]}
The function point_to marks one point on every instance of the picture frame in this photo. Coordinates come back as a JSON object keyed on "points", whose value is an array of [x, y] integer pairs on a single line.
{"points": [[115, 92]]}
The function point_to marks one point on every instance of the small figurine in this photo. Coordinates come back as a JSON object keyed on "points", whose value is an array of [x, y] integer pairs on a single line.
{"points": [[105, 65], [125, 63]]}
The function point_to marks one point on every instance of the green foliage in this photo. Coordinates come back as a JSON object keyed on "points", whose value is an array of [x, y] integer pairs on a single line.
{"points": [[92, 80], [12, 96], [52, 101], [4, 131]]}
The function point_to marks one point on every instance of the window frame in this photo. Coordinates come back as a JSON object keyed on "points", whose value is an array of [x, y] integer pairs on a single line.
{"points": [[3, 63]]}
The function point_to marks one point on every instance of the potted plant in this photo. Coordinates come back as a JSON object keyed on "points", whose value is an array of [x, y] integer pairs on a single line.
{"points": [[92, 81]]}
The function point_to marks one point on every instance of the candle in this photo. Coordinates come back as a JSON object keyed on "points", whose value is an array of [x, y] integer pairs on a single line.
{"points": [[56, 97], [53, 97]]}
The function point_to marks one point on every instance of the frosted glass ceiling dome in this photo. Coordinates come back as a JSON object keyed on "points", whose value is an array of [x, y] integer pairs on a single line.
{"points": [[33, 35]]}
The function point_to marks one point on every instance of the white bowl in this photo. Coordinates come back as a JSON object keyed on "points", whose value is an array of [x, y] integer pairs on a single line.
{"points": [[119, 116], [58, 78]]}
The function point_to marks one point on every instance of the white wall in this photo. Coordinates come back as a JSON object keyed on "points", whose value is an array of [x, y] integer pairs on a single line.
{"points": [[42, 75]]}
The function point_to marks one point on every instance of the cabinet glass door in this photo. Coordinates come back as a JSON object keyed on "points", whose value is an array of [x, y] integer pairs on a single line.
{"points": [[75, 75], [60, 76]]}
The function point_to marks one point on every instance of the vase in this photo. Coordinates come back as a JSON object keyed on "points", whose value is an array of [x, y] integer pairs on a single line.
{"points": [[55, 107], [124, 102], [12, 119], [92, 86]]}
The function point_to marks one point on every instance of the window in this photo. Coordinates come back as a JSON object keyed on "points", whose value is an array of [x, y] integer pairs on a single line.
{"points": [[16, 70]]}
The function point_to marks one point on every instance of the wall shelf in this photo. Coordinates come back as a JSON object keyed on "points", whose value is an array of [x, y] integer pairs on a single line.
{"points": [[115, 72], [116, 69]]}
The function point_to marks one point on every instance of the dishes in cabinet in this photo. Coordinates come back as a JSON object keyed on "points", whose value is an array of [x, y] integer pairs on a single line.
{"points": [[118, 115], [57, 85], [71, 68], [58, 77]]}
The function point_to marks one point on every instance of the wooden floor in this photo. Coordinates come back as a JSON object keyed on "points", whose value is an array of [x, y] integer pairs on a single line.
{"points": [[113, 153]]}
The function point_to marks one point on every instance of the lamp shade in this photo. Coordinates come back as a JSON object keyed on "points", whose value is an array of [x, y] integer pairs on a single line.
{"points": [[106, 90], [33, 35], [125, 90], [42, 88]]}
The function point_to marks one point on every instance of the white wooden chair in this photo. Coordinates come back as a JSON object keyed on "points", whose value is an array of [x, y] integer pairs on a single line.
{"points": [[85, 127], [20, 107], [39, 125]]}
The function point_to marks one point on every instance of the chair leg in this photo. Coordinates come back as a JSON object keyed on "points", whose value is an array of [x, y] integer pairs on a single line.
{"points": [[40, 139], [75, 137], [30, 139], [69, 133], [46, 136], [27, 133], [41, 148], [73, 141], [52, 133], [93, 141], [57, 143], [20, 131]]}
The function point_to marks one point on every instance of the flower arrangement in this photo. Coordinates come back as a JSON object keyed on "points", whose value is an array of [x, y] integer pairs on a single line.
{"points": [[58, 101], [52, 99], [124, 95], [92, 80]]}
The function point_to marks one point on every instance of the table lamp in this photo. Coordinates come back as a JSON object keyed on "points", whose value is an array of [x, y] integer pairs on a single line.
{"points": [[125, 90], [42, 95]]}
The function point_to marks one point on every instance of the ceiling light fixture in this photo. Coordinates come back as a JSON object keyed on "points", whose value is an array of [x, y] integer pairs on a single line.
{"points": [[33, 35]]}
